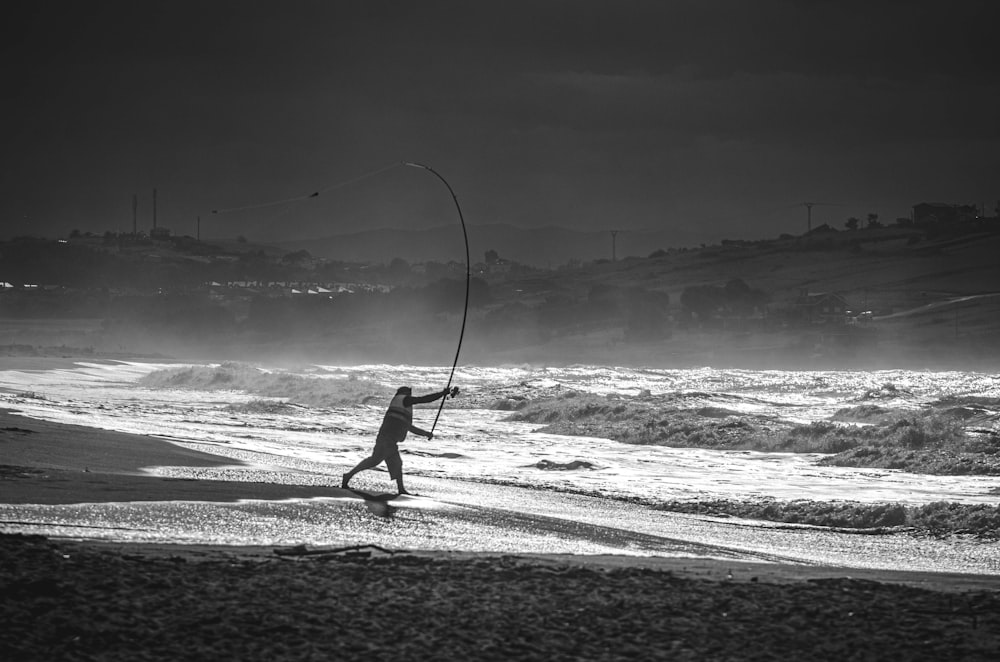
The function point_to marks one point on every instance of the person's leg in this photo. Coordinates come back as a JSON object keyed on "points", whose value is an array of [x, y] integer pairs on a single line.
{"points": [[395, 464], [367, 463]]}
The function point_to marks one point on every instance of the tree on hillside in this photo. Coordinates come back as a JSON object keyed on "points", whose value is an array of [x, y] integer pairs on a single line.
{"points": [[605, 297], [707, 303], [736, 289], [852, 223], [646, 319], [742, 300], [296, 257], [399, 268], [873, 221]]}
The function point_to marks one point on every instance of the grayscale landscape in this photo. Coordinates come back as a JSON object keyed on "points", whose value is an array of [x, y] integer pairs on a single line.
{"points": [[716, 283]]}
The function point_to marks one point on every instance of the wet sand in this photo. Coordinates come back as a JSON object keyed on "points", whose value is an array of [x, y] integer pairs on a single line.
{"points": [[87, 600]]}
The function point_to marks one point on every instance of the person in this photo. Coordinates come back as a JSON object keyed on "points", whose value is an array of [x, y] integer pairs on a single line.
{"points": [[396, 423]]}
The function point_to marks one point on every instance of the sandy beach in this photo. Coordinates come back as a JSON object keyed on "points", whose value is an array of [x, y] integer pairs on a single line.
{"points": [[70, 601], [67, 598]]}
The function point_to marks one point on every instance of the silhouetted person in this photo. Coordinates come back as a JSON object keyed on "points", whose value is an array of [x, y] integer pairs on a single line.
{"points": [[398, 421]]}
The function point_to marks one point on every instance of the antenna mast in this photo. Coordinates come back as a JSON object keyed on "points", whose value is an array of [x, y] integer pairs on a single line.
{"points": [[809, 211]]}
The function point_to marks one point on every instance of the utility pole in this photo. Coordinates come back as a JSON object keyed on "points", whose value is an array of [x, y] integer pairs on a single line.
{"points": [[198, 233], [135, 206], [614, 239], [154, 208], [809, 211]]}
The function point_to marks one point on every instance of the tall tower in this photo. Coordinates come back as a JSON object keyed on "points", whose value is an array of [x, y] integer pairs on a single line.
{"points": [[809, 211]]}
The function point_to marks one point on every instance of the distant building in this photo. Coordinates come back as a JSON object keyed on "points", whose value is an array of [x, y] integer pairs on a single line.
{"points": [[822, 229], [159, 233], [929, 213], [822, 307], [500, 266]]}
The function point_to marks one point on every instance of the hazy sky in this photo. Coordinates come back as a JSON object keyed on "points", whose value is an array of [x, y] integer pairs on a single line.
{"points": [[716, 116]]}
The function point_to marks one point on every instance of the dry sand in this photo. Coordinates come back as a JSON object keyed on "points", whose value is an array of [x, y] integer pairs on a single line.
{"points": [[64, 599], [70, 601]]}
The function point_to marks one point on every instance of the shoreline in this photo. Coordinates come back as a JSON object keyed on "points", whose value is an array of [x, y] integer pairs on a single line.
{"points": [[688, 567], [48, 466], [55, 463]]}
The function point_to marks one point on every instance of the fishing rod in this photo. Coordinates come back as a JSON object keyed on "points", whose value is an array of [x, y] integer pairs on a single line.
{"points": [[468, 279]]}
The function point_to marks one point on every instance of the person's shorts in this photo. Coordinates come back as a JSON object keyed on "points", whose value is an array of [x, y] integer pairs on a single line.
{"points": [[387, 451]]}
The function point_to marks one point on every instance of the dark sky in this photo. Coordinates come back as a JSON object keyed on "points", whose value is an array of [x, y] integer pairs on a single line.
{"points": [[715, 117]]}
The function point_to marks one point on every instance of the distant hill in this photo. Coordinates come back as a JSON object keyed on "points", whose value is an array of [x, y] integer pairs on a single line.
{"points": [[545, 246]]}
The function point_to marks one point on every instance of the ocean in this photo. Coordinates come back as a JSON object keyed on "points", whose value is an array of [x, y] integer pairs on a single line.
{"points": [[493, 484]]}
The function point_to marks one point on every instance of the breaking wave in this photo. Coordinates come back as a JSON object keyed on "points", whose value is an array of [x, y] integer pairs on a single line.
{"points": [[575, 465], [948, 436], [940, 518], [317, 390]]}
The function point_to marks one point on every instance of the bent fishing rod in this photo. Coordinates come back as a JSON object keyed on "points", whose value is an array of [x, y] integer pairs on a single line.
{"points": [[468, 278]]}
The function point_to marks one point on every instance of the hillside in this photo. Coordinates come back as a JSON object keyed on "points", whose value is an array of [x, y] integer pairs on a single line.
{"points": [[933, 303], [540, 247], [908, 299], [886, 273]]}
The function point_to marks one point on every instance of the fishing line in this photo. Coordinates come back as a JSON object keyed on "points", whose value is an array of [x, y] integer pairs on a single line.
{"points": [[368, 175], [468, 279], [308, 196]]}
